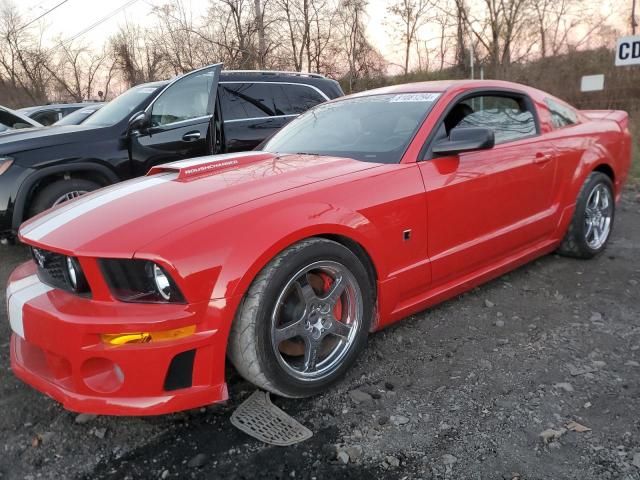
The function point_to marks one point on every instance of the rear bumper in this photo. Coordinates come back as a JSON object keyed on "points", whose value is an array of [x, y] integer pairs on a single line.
{"points": [[56, 348]]}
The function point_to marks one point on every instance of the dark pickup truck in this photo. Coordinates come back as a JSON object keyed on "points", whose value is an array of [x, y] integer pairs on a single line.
{"points": [[207, 111]]}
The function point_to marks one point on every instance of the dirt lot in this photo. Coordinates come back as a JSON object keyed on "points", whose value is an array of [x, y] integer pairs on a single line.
{"points": [[460, 391]]}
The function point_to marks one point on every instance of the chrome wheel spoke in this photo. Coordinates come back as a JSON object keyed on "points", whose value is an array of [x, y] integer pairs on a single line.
{"points": [[305, 290], [337, 289], [311, 353], [340, 329], [589, 230], [295, 329]]}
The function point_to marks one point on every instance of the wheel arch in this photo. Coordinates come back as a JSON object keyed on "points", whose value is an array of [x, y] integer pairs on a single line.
{"points": [[350, 239], [88, 170], [607, 169]]}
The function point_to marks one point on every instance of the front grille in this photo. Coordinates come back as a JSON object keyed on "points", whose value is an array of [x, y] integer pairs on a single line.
{"points": [[52, 270]]}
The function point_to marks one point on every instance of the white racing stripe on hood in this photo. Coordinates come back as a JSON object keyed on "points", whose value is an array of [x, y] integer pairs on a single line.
{"points": [[80, 207], [17, 302]]}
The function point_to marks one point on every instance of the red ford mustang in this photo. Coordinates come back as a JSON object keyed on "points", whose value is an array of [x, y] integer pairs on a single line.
{"points": [[360, 212]]}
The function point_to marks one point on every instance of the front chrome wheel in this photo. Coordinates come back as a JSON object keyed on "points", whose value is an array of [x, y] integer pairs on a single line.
{"points": [[597, 216], [316, 319]]}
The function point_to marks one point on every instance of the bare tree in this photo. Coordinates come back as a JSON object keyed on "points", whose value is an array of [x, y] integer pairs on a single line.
{"points": [[497, 28], [23, 59], [410, 15], [262, 43], [137, 57]]}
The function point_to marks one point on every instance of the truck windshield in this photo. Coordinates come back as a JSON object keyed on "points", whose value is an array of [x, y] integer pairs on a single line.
{"points": [[121, 107], [374, 128]]}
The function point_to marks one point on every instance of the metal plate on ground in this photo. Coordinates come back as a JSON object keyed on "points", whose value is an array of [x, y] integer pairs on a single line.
{"points": [[261, 419]]}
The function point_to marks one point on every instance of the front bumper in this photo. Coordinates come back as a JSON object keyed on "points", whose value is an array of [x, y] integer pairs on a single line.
{"points": [[56, 348]]}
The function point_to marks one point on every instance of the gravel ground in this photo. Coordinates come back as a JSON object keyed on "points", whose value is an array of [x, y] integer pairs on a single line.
{"points": [[484, 386]]}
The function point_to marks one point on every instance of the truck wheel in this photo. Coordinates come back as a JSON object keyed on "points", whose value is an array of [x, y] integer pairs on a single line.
{"points": [[59, 192], [592, 221], [304, 320]]}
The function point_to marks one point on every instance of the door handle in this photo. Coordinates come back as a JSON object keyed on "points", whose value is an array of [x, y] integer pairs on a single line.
{"points": [[542, 158], [191, 136]]}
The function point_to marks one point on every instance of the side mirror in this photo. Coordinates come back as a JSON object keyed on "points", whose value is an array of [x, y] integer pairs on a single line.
{"points": [[465, 140], [138, 121]]}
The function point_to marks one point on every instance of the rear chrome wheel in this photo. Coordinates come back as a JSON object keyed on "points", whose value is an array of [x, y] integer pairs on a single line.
{"points": [[592, 221], [597, 216], [304, 320]]}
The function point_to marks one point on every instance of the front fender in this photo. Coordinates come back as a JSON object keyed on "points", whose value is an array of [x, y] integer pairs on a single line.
{"points": [[220, 259]]}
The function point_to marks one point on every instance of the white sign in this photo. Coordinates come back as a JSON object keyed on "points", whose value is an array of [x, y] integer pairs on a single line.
{"points": [[628, 51], [592, 83]]}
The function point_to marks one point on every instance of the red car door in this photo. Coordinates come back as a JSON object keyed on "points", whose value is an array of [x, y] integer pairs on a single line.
{"points": [[487, 205]]}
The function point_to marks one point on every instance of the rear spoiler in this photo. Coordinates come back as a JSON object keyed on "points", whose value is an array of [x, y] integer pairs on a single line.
{"points": [[619, 116], [210, 164]]}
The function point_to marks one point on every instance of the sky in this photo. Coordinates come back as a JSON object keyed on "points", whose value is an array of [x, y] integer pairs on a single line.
{"points": [[75, 15]]}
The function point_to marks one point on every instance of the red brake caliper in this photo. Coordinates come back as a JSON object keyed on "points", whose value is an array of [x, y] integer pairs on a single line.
{"points": [[327, 282]]}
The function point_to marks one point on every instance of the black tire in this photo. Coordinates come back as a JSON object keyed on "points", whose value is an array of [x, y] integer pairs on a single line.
{"points": [[575, 242], [47, 197], [250, 349]]}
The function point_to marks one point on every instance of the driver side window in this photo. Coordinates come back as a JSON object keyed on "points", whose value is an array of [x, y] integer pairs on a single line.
{"points": [[184, 100], [509, 117]]}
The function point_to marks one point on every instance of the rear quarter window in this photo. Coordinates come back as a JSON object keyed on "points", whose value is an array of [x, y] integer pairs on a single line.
{"points": [[561, 115], [248, 100]]}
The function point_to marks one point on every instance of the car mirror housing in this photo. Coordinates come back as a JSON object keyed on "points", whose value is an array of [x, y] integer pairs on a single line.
{"points": [[138, 121], [465, 140]]}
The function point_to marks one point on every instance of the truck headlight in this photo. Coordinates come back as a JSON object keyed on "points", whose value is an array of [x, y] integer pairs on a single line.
{"points": [[5, 163]]}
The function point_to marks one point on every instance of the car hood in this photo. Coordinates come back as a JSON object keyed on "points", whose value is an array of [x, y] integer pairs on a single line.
{"points": [[21, 140], [118, 220]]}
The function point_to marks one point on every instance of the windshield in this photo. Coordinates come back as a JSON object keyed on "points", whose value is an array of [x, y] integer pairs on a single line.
{"points": [[377, 128], [121, 107], [79, 116], [9, 121]]}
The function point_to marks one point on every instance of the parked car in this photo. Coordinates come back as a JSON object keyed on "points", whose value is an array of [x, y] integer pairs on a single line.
{"points": [[11, 120], [52, 113], [79, 116], [360, 212], [147, 125]]}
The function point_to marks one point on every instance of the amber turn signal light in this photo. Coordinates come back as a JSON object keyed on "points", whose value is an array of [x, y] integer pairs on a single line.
{"points": [[117, 339]]}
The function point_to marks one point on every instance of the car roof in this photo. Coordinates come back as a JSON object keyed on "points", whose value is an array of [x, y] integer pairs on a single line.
{"points": [[441, 86], [54, 105]]}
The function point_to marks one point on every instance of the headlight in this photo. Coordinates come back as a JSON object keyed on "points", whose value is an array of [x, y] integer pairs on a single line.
{"points": [[163, 285], [5, 163], [140, 281], [73, 271]]}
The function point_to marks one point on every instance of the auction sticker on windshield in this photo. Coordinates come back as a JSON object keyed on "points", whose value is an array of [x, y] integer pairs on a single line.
{"points": [[415, 97]]}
